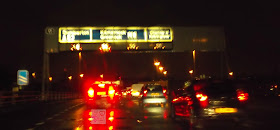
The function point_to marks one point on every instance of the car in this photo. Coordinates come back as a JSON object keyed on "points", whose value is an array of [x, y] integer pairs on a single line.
{"points": [[102, 94], [153, 94], [135, 91], [209, 100]]}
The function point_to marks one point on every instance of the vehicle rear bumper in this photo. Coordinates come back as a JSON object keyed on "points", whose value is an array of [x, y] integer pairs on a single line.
{"points": [[154, 100]]}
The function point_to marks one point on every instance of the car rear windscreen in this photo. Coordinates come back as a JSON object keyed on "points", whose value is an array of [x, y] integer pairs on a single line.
{"points": [[217, 89], [154, 88]]}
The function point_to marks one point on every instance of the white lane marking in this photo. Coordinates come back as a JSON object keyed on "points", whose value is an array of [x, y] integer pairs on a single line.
{"points": [[30, 129], [56, 114], [49, 118], [40, 123]]}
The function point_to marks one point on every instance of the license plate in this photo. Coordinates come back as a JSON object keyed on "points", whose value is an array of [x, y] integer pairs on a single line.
{"points": [[226, 110], [101, 93], [155, 94]]}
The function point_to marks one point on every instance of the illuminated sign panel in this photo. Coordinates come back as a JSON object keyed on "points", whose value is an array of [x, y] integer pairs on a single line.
{"points": [[114, 34]]}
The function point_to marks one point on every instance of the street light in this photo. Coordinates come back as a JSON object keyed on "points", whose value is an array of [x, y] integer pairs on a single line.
{"points": [[160, 68], [165, 72], [105, 47], [191, 71], [50, 79], [34, 75], [81, 75], [70, 77], [157, 63], [230, 73]]}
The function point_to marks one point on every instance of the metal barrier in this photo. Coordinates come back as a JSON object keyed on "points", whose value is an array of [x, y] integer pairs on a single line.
{"points": [[9, 98]]}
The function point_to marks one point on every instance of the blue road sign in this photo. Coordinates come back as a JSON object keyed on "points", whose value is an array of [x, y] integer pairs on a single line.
{"points": [[22, 77]]}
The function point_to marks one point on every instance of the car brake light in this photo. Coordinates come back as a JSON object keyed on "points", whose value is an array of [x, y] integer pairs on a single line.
{"points": [[242, 96], [145, 92], [164, 92], [90, 92], [201, 97], [111, 91]]}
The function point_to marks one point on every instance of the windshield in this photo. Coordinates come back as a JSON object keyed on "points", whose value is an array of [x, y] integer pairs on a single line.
{"points": [[152, 56], [154, 88]]}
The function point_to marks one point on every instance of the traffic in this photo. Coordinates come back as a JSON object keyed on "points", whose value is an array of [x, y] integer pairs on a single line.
{"points": [[199, 104]]}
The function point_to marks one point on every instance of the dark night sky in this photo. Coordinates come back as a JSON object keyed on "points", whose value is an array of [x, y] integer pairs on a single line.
{"points": [[251, 27]]}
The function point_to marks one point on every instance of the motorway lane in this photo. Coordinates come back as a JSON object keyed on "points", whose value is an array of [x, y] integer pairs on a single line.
{"points": [[127, 116], [73, 115]]}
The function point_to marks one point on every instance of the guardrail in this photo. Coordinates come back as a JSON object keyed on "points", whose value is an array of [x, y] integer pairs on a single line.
{"points": [[9, 98]]}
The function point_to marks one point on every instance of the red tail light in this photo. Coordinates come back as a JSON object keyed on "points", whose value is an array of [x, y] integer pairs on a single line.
{"points": [[111, 91], [145, 93], [242, 96], [201, 97], [90, 92], [164, 92]]}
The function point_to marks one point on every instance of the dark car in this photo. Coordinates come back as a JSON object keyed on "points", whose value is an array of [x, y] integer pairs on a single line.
{"points": [[205, 101], [153, 94]]}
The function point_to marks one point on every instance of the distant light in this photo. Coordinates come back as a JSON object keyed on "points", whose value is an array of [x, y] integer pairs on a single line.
{"points": [[76, 47], [111, 118], [112, 113], [80, 55], [111, 128], [50, 79], [132, 46], [230, 73], [193, 52], [160, 68], [165, 72], [159, 46], [34, 75], [191, 71], [105, 47], [81, 75], [101, 76], [203, 40], [70, 77], [157, 63]]}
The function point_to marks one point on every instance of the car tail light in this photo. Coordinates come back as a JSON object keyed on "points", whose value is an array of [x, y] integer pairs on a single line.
{"points": [[145, 93], [90, 92], [242, 96], [111, 91], [164, 92], [201, 97]]}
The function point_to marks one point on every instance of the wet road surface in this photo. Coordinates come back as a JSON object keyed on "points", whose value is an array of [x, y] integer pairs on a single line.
{"points": [[74, 114]]}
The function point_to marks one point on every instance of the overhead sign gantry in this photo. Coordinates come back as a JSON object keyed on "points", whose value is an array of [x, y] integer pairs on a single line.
{"points": [[114, 34]]}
